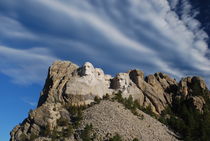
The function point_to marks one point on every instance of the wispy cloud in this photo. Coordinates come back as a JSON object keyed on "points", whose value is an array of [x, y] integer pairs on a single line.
{"points": [[12, 29], [124, 34], [31, 103], [25, 66]]}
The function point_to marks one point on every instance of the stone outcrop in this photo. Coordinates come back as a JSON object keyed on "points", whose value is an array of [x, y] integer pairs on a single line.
{"points": [[58, 75], [197, 102], [193, 89], [69, 84], [192, 86]]}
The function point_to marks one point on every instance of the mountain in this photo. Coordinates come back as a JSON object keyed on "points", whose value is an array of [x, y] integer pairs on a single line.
{"points": [[83, 103]]}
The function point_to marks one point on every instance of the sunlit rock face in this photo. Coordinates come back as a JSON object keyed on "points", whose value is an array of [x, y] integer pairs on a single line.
{"points": [[87, 69], [193, 89], [121, 82], [86, 83], [58, 75], [68, 84]]}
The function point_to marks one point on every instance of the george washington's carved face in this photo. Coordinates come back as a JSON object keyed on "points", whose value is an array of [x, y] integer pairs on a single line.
{"points": [[87, 69]]}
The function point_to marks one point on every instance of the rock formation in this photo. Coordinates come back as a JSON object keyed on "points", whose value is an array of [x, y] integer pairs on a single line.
{"points": [[69, 84]]}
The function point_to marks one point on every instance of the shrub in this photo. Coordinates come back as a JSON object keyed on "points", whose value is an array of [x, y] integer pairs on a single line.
{"points": [[118, 97], [68, 131], [62, 122], [135, 139], [129, 102], [117, 137], [191, 124], [23, 137], [97, 100], [45, 131], [33, 137], [106, 97], [148, 110], [86, 133], [75, 114]]}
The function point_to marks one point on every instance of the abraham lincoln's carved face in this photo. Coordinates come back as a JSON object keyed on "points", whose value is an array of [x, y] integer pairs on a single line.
{"points": [[122, 80]]}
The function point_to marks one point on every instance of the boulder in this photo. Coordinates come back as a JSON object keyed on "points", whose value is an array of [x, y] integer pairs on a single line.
{"points": [[197, 102], [192, 86]]}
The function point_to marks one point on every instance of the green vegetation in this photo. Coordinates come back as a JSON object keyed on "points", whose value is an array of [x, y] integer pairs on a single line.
{"points": [[106, 97], [45, 131], [97, 99], [33, 137], [135, 139], [184, 119], [129, 103], [66, 130], [191, 124], [66, 126], [62, 122], [148, 110], [75, 114], [23, 137], [117, 137], [86, 134]]}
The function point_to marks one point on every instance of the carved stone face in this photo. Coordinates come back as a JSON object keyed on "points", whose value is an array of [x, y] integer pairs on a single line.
{"points": [[122, 80], [87, 69], [99, 73]]}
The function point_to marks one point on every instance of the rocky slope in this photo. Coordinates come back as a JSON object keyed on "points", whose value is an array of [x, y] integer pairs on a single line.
{"points": [[68, 86], [109, 118]]}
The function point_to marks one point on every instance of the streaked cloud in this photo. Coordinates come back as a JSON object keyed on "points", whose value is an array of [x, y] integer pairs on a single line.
{"points": [[114, 34], [25, 66], [28, 101]]}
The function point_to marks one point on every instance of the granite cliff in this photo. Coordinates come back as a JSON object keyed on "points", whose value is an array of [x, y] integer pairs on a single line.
{"points": [[69, 86]]}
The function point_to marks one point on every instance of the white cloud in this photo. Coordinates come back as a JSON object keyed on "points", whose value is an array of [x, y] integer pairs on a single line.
{"points": [[12, 29], [28, 101], [97, 22], [25, 66], [142, 33]]}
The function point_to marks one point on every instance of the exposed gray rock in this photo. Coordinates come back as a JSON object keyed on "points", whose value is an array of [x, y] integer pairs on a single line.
{"points": [[192, 86], [59, 74], [198, 102], [87, 83], [68, 84]]}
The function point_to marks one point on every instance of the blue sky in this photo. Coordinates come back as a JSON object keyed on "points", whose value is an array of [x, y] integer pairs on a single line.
{"points": [[116, 35]]}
